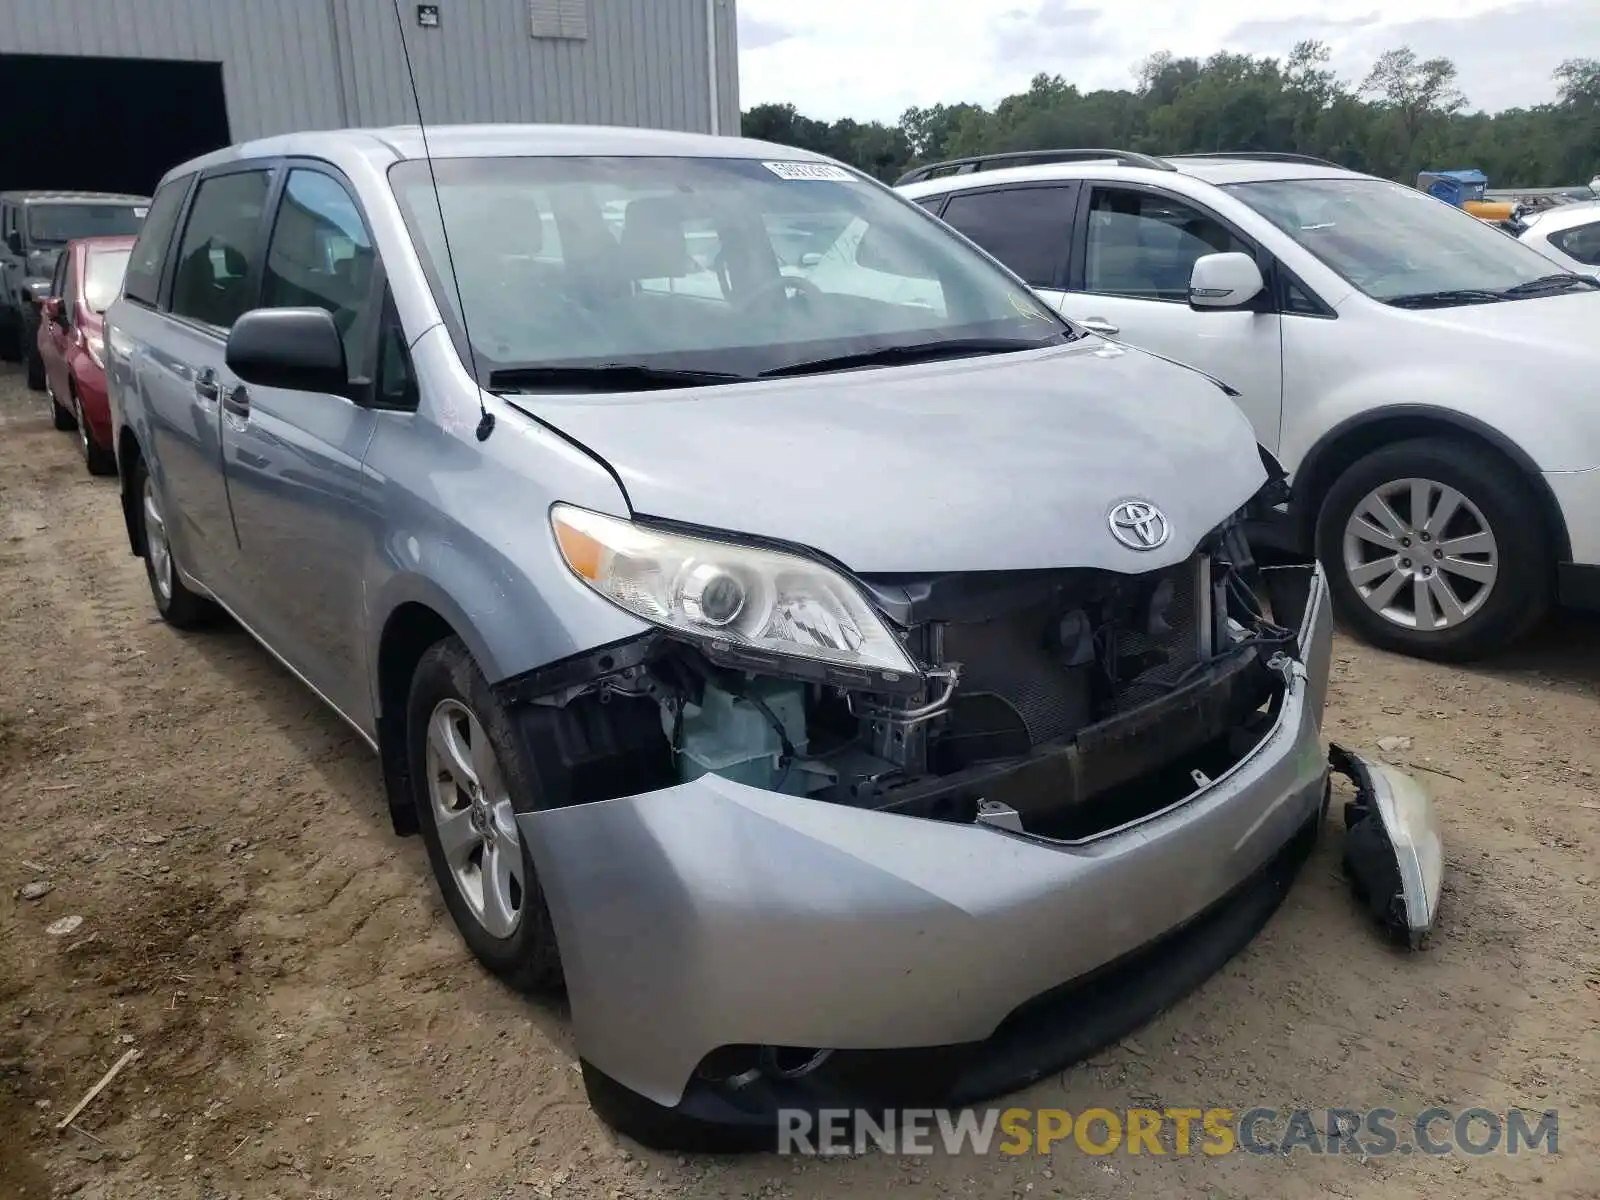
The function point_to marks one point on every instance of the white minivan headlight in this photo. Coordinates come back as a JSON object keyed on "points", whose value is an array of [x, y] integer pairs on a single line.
{"points": [[747, 598]]}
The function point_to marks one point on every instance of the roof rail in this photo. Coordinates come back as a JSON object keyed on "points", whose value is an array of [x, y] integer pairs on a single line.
{"points": [[1261, 156], [1030, 158]]}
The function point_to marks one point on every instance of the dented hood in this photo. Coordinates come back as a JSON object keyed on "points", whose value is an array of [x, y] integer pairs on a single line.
{"points": [[993, 463]]}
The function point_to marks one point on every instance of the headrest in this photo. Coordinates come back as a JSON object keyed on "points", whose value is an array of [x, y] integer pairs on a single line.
{"points": [[653, 243]]}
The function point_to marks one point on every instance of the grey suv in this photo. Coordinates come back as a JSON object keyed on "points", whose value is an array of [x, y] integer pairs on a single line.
{"points": [[783, 630], [34, 228]]}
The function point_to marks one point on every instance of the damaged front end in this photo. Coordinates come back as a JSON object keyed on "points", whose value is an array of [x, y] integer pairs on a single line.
{"points": [[1058, 703], [990, 821]]}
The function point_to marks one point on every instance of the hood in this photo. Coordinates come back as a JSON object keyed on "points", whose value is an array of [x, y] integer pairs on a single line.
{"points": [[1563, 324], [42, 263], [981, 464]]}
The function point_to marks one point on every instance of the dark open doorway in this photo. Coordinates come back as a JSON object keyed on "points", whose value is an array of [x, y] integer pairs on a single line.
{"points": [[105, 124]]}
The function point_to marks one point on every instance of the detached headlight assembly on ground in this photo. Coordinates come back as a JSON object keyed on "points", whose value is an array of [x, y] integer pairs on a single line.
{"points": [[740, 604]]}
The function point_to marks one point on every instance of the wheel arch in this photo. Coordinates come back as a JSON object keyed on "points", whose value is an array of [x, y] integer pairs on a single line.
{"points": [[1356, 436], [411, 628], [129, 452]]}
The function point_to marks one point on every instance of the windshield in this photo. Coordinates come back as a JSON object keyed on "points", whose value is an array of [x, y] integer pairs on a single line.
{"points": [[732, 266], [102, 277], [1393, 241], [57, 224]]}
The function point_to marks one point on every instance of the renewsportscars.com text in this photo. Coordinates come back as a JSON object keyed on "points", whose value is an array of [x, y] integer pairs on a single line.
{"points": [[1374, 1132]]}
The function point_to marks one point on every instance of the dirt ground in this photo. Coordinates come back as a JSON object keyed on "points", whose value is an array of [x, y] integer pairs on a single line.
{"points": [[309, 1025]]}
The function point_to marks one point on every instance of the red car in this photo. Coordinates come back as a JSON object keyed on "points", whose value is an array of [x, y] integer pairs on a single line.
{"points": [[71, 342]]}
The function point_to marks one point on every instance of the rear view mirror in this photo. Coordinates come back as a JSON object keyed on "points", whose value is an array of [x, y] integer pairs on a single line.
{"points": [[296, 348], [1222, 281]]}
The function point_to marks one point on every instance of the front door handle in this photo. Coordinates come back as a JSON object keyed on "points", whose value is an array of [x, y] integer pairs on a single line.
{"points": [[1101, 326], [205, 385], [237, 401]]}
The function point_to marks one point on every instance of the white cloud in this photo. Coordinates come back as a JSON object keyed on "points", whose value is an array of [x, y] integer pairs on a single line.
{"points": [[871, 59]]}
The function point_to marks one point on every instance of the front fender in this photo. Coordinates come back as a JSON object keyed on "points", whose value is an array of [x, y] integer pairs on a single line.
{"points": [[466, 530]]}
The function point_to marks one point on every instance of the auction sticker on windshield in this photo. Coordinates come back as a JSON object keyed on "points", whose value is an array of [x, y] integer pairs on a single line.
{"points": [[807, 170]]}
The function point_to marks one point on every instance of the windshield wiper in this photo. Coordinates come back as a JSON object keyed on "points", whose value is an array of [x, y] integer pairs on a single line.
{"points": [[1551, 284], [1444, 299], [604, 377], [886, 356]]}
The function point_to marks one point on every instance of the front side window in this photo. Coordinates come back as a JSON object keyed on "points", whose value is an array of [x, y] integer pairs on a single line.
{"points": [[211, 283], [58, 224], [1393, 242], [102, 277], [1027, 228], [1581, 242], [58, 283], [1144, 245], [731, 266], [321, 256]]}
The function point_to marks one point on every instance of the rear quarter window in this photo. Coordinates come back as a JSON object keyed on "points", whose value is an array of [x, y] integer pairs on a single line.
{"points": [[143, 283]]}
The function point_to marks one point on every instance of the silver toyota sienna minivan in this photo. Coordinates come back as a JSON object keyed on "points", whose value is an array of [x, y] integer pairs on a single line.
{"points": [[846, 678]]}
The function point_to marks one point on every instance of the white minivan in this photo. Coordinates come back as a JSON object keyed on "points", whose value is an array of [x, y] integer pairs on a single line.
{"points": [[1424, 378]]}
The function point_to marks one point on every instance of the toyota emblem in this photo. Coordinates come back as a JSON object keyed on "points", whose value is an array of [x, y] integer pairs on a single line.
{"points": [[1139, 525]]}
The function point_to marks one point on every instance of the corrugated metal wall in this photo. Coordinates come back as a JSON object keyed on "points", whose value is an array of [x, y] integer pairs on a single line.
{"points": [[303, 64]]}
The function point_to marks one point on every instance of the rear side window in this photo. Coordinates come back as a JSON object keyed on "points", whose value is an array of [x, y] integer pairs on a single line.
{"points": [[1025, 228], [1582, 242], [932, 203], [150, 251], [222, 239]]}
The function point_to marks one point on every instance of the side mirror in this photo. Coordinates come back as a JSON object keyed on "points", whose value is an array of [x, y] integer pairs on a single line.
{"points": [[295, 348], [1222, 281], [14, 242], [53, 309]]}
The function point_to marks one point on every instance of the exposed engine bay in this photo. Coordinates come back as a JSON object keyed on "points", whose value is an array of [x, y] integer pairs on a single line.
{"points": [[1059, 703]]}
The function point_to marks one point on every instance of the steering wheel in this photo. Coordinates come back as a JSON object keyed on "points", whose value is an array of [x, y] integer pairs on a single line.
{"points": [[782, 285]]}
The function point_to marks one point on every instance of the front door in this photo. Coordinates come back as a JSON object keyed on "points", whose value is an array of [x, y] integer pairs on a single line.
{"points": [[293, 459], [58, 334], [1129, 280], [185, 377]]}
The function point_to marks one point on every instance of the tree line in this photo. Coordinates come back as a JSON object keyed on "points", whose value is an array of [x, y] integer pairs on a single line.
{"points": [[1407, 115]]}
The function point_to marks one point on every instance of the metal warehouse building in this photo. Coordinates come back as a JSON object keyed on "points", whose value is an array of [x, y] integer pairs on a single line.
{"points": [[108, 94]]}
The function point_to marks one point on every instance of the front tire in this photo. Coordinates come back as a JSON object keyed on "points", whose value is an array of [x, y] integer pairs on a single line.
{"points": [[1437, 549], [471, 776], [178, 606], [36, 376]]}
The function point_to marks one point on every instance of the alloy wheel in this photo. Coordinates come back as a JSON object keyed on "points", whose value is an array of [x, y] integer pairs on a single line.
{"points": [[1420, 554], [158, 550], [475, 821]]}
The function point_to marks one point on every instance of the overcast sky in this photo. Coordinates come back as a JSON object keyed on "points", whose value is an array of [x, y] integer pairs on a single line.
{"points": [[872, 59]]}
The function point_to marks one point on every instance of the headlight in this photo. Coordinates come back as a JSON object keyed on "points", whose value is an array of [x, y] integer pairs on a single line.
{"points": [[729, 596]]}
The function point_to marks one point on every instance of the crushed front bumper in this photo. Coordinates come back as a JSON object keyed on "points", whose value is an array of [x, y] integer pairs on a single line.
{"points": [[712, 914]]}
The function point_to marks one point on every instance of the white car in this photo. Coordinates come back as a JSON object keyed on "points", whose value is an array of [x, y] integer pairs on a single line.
{"points": [[1568, 235], [1413, 368]]}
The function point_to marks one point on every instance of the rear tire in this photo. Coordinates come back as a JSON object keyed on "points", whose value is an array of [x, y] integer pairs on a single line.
{"points": [[471, 775], [96, 458], [178, 606], [1463, 579]]}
